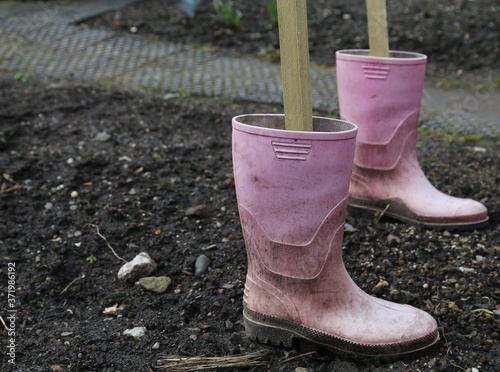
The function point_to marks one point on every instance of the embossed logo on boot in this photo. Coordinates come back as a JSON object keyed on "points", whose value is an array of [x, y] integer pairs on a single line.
{"points": [[291, 151], [376, 72]]}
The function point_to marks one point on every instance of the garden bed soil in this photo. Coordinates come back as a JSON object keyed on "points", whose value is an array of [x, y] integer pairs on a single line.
{"points": [[89, 174]]}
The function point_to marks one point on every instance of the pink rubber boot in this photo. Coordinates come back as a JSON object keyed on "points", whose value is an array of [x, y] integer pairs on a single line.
{"points": [[292, 191], [382, 97]]}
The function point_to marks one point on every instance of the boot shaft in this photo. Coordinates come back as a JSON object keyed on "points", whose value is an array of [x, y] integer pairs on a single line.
{"points": [[290, 181], [292, 190], [379, 94]]}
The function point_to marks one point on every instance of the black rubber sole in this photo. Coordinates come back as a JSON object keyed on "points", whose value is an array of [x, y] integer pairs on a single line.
{"points": [[399, 212], [278, 332]]}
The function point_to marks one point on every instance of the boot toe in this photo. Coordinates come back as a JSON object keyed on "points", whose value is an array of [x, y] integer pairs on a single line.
{"points": [[421, 332], [472, 210]]}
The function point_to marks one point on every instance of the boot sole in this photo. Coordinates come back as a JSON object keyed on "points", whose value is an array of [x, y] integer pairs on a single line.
{"points": [[279, 332], [399, 211]]}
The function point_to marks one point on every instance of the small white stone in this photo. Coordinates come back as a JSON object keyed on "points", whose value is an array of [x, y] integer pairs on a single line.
{"points": [[136, 332], [156, 346], [102, 136], [74, 194], [141, 266]]}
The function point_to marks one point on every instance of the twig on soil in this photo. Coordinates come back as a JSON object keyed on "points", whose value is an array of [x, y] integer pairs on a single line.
{"points": [[379, 215], [4, 324], [176, 363], [298, 356], [455, 365], [82, 276], [107, 243], [4, 189]]}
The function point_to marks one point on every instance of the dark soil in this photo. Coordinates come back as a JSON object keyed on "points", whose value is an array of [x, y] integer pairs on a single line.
{"points": [[160, 157]]}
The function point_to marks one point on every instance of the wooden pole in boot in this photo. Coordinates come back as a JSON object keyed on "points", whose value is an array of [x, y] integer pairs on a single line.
{"points": [[294, 53], [377, 28]]}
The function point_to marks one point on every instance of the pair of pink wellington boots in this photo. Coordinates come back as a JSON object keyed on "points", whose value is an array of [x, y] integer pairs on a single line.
{"points": [[293, 189]]}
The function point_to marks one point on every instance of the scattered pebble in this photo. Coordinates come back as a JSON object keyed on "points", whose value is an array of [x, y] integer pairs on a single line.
{"points": [[102, 136], [66, 334], [132, 191], [432, 363], [380, 285], [74, 194], [73, 207], [141, 266], [77, 234], [348, 228], [466, 269], [48, 206], [202, 211], [137, 332], [156, 346], [170, 96], [158, 284], [212, 246], [201, 265], [393, 239]]}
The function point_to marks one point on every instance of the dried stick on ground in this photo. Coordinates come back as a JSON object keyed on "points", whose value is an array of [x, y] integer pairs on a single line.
{"points": [[107, 243], [176, 363]]}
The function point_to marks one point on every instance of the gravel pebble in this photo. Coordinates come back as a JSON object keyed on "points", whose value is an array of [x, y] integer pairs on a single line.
{"points": [[137, 332], [201, 265], [141, 266]]}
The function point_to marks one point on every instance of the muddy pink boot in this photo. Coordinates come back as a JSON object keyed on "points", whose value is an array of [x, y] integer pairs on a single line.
{"points": [[382, 97], [292, 191]]}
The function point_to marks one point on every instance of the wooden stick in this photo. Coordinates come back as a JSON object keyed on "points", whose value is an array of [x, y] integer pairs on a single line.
{"points": [[294, 52], [377, 28]]}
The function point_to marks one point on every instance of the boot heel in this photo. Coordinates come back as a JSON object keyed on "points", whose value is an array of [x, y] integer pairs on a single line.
{"points": [[267, 334]]}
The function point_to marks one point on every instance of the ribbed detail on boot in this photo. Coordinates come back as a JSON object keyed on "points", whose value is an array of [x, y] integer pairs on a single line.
{"points": [[376, 72], [387, 155], [291, 151]]}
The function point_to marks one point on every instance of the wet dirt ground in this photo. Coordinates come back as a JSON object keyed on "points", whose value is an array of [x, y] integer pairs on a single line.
{"points": [[91, 173]]}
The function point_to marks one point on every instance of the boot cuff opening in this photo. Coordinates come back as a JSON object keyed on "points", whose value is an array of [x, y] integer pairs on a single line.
{"points": [[396, 57], [274, 125]]}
